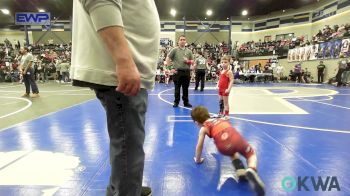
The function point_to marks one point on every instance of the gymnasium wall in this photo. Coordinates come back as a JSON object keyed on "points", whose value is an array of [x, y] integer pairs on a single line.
{"points": [[59, 37], [202, 37], [298, 30], [242, 37], [338, 19], [169, 35], [252, 63], [14, 36], [307, 30], [305, 21], [331, 67]]}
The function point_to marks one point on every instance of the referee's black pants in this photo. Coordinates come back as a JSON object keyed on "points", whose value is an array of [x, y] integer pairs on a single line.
{"points": [[182, 79]]}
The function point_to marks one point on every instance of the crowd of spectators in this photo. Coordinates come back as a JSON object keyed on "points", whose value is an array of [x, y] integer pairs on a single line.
{"points": [[264, 48], [48, 58], [328, 33], [51, 61], [213, 54]]}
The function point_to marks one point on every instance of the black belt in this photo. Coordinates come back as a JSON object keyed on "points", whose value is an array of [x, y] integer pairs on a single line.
{"points": [[182, 70]]}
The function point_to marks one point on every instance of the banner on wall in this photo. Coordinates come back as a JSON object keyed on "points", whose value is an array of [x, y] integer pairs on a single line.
{"points": [[328, 50], [336, 49], [345, 45], [322, 50], [164, 41], [301, 53], [297, 54], [344, 51], [289, 56], [314, 52], [325, 50]]}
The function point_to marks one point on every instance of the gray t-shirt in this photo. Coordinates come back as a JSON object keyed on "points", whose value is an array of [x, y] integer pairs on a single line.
{"points": [[25, 60], [342, 64], [92, 62], [201, 63], [178, 55], [64, 67]]}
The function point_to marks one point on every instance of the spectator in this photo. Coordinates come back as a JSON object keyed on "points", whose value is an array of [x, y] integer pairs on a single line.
{"points": [[320, 72], [28, 73], [297, 72], [279, 72], [116, 56], [201, 66], [342, 64]]}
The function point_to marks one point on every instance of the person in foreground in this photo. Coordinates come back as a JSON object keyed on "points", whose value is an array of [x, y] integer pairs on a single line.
{"points": [[228, 142], [114, 51]]}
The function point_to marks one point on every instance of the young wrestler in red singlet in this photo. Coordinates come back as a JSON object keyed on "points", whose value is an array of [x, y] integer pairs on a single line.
{"points": [[224, 85], [228, 142]]}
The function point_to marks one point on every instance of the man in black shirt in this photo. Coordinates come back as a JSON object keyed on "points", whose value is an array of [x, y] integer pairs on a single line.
{"points": [[320, 72]]}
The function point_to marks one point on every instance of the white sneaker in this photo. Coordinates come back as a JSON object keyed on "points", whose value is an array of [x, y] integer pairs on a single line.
{"points": [[225, 117], [240, 174], [35, 95], [255, 182]]}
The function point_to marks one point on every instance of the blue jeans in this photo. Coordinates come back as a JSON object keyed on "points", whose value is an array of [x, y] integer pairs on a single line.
{"points": [[126, 129], [29, 81]]}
